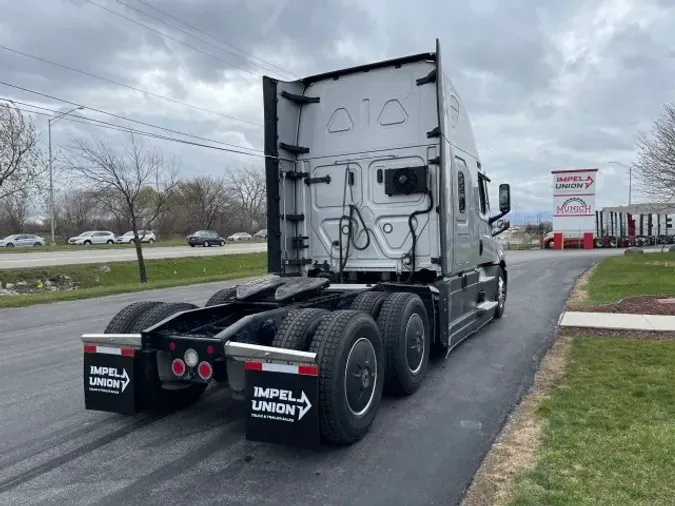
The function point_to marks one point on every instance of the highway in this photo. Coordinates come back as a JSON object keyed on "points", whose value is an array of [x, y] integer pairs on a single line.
{"points": [[422, 450], [102, 255]]}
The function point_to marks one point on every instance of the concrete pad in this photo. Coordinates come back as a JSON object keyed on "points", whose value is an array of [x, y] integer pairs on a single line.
{"points": [[613, 321], [666, 301], [661, 322]]}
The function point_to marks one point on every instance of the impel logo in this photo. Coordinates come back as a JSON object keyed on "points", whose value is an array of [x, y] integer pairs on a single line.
{"points": [[573, 207], [573, 182], [109, 380], [282, 404]]}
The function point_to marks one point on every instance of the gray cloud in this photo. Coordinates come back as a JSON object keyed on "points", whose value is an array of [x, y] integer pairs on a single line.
{"points": [[547, 84]]}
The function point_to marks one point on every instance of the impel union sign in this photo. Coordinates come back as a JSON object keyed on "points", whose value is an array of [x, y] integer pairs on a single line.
{"points": [[574, 201]]}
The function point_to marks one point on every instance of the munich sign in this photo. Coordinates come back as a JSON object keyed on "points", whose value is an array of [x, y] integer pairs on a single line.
{"points": [[574, 206]]}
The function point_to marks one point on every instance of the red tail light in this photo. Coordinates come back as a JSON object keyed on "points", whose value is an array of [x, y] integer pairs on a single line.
{"points": [[178, 367], [205, 371]]}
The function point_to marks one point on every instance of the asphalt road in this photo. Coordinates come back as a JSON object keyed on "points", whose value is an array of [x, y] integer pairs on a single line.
{"points": [[421, 450], [102, 255]]}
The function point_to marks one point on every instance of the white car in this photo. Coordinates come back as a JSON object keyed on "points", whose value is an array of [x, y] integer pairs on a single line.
{"points": [[93, 237], [240, 236], [18, 240], [144, 235], [261, 234]]}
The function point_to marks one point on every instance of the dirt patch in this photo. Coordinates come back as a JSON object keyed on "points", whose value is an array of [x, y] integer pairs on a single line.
{"points": [[645, 304], [515, 449], [579, 294], [652, 335]]}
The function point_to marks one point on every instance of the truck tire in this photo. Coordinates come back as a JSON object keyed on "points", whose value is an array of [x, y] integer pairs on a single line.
{"points": [[599, 243], [158, 313], [404, 325], [370, 302], [298, 328], [123, 321], [222, 296], [501, 293], [348, 403]]}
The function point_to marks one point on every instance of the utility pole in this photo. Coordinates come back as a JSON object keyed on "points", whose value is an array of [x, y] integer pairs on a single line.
{"points": [[50, 122], [630, 179]]}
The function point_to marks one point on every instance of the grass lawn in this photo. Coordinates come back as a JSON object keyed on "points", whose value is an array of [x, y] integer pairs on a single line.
{"points": [[123, 276], [625, 276], [610, 437]]}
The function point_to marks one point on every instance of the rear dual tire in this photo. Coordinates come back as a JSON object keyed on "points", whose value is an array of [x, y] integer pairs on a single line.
{"points": [[156, 395]]}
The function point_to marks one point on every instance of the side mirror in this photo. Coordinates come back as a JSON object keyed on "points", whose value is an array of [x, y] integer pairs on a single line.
{"points": [[504, 202], [504, 198], [503, 226]]}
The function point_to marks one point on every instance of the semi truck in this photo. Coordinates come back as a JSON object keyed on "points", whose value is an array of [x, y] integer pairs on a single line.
{"points": [[381, 250], [615, 229]]}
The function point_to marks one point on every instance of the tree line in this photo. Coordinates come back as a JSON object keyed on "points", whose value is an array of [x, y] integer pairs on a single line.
{"points": [[117, 187]]}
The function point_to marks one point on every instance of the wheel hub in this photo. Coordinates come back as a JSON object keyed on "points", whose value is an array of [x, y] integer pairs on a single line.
{"points": [[414, 338], [360, 377]]}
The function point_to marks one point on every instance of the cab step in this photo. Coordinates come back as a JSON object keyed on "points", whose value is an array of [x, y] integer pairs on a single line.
{"points": [[488, 305]]}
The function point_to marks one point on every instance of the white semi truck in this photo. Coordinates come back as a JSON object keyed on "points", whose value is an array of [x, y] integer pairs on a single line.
{"points": [[380, 248]]}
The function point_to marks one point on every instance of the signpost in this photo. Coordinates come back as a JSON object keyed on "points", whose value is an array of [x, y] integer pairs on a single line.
{"points": [[574, 202]]}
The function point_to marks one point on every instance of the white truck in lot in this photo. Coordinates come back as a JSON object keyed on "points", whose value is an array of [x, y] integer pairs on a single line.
{"points": [[380, 248]]}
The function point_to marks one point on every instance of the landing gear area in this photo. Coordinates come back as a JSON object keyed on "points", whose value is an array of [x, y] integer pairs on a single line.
{"points": [[309, 373]]}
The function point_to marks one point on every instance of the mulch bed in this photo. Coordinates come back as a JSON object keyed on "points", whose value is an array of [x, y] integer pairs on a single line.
{"points": [[619, 333], [633, 305]]}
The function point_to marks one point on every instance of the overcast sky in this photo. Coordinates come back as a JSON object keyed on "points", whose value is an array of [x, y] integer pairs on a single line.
{"points": [[548, 83]]}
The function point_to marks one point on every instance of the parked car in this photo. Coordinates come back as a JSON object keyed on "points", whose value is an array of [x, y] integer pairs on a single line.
{"points": [[93, 237], [144, 235], [205, 238], [240, 236], [18, 240], [261, 234]]}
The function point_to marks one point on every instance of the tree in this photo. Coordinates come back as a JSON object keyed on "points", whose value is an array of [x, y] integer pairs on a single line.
{"points": [[247, 188], [654, 167], [133, 181], [14, 211], [206, 199], [21, 160]]}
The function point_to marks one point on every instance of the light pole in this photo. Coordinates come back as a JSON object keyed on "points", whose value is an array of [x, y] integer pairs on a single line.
{"points": [[630, 179], [50, 122]]}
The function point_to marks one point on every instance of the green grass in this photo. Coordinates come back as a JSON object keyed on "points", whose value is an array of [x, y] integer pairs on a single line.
{"points": [[626, 276], [611, 432], [123, 276]]}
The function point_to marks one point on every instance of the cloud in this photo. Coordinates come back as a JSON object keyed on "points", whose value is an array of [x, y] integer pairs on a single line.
{"points": [[547, 84]]}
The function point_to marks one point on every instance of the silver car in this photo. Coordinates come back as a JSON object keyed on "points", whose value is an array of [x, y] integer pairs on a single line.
{"points": [[93, 237], [18, 240]]}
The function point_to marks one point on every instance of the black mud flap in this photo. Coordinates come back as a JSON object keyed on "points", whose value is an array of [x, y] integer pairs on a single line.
{"points": [[282, 404], [109, 379]]}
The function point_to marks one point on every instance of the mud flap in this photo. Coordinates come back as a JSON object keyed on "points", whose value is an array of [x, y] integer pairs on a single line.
{"points": [[109, 379], [282, 404]]}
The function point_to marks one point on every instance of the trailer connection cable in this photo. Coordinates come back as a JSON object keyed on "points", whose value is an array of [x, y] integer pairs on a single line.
{"points": [[411, 253], [353, 210]]}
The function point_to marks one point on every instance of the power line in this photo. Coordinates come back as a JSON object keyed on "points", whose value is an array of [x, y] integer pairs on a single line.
{"points": [[216, 38], [125, 85], [73, 118], [201, 39], [173, 38], [129, 119]]}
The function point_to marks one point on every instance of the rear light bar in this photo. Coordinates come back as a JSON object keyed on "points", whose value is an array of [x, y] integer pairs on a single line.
{"points": [[109, 350], [302, 370]]}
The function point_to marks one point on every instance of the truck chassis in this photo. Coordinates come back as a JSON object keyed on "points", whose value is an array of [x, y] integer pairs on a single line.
{"points": [[311, 359]]}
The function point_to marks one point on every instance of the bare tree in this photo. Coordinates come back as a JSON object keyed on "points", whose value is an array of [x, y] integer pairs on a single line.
{"points": [[134, 181], [14, 211], [247, 187], [206, 199], [21, 161], [75, 211], [655, 164]]}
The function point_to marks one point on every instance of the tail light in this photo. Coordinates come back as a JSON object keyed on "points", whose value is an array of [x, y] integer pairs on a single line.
{"points": [[205, 371], [178, 367]]}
